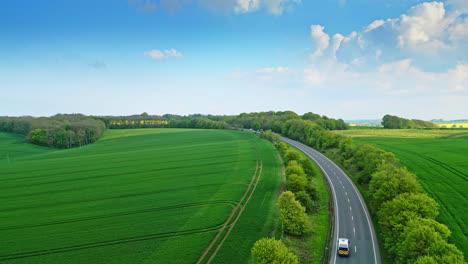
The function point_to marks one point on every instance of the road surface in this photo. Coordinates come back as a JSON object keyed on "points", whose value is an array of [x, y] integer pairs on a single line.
{"points": [[352, 219]]}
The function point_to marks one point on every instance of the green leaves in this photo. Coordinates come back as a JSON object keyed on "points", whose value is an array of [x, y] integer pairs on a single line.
{"points": [[293, 214], [271, 251]]}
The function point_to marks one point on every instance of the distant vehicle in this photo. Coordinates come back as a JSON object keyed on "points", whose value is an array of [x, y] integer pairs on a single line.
{"points": [[343, 247]]}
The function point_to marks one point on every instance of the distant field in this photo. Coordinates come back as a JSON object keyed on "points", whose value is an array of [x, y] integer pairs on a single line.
{"points": [[454, 125], [441, 165], [401, 133], [137, 196]]}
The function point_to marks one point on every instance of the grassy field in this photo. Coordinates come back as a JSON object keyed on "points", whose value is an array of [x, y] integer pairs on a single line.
{"points": [[402, 133], [441, 166], [138, 196]]}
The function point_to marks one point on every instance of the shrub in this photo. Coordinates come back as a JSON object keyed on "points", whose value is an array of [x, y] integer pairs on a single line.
{"points": [[388, 182], [269, 250], [283, 147], [293, 155], [312, 192], [308, 167], [293, 214], [306, 202], [294, 168], [296, 183]]}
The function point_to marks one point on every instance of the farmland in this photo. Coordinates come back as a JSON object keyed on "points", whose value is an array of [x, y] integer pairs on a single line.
{"points": [[138, 196], [401, 133], [441, 167]]}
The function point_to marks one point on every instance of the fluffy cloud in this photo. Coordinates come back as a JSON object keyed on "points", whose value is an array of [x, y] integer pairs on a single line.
{"points": [[426, 33], [159, 55], [321, 39], [244, 6]]}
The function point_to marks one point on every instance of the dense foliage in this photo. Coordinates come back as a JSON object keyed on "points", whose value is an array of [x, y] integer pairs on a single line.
{"points": [[59, 131], [166, 121], [271, 251], [292, 213], [395, 122]]}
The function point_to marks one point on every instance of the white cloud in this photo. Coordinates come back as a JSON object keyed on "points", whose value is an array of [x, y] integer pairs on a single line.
{"points": [[321, 39], [244, 6], [423, 27], [459, 31], [277, 7], [314, 77], [374, 25], [159, 55]]}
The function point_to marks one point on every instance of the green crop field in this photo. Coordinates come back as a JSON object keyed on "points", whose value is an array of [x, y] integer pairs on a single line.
{"points": [[138, 196], [441, 165], [401, 133]]}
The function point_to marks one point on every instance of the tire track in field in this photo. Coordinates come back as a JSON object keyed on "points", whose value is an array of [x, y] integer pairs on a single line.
{"points": [[231, 226], [455, 172], [120, 214], [109, 243]]}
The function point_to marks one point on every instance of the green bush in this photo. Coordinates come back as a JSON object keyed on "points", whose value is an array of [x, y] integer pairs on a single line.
{"points": [[312, 192], [308, 167], [296, 183], [271, 251], [306, 202], [388, 182], [293, 214], [283, 147], [294, 168], [293, 155]]}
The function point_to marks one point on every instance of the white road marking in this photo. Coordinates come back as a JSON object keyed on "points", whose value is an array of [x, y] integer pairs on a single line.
{"points": [[346, 193], [350, 208], [352, 218], [355, 249], [348, 200], [354, 231]]}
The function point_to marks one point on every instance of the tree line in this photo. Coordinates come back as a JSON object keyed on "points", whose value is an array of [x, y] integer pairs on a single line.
{"points": [[405, 214], [395, 122], [300, 198], [59, 131]]}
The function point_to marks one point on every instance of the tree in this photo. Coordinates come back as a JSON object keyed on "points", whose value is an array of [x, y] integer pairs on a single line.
{"points": [[293, 155], [256, 126], [423, 237], [292, 213], [308, 167], [296, 183], [282, 147], [271, 251], [294, 168], [395, 214], [388, 182], [306, 202]]}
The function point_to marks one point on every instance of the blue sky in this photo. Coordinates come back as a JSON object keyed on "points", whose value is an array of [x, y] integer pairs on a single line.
{"points": [[343, 58]]}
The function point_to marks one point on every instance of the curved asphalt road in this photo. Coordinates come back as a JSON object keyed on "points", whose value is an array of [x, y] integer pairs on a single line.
{"points": [[352, 219]]}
